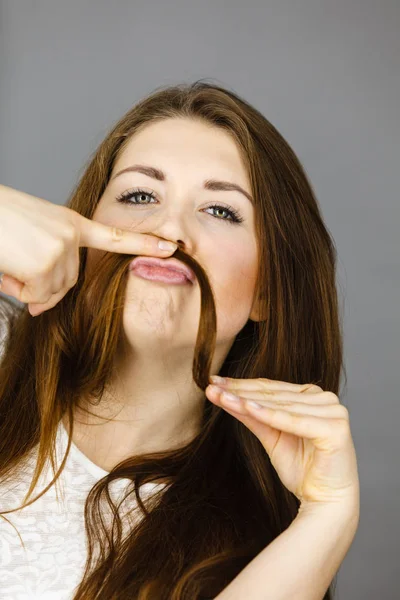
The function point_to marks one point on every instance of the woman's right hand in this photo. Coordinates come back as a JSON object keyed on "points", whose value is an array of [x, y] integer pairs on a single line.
{"points": [[39, 247]]}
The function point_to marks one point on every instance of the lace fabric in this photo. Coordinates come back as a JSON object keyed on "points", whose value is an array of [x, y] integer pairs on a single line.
{"points": [[52, 529]]}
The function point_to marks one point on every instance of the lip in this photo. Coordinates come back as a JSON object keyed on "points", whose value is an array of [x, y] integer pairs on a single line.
{"points": [[169, 263]]}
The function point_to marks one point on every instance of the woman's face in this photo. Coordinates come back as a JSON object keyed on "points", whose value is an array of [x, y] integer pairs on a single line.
{"points": [[188, 152]]}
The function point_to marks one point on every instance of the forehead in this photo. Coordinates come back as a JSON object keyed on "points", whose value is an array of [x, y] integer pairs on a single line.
{"points": [[181, 143]]}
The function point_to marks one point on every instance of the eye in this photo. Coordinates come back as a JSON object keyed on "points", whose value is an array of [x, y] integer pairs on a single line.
{"points": [[126, 198]]}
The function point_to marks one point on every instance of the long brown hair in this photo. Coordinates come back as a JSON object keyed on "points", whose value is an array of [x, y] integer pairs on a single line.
{"points": [[225, 502]]}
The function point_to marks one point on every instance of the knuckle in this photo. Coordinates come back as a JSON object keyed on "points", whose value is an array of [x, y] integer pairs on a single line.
{"points": [[72, 281], [332, 398], [70, 234], [343, 411], [342, 429], [294, 417], [117, 233], [287, 404], [70, 216], [315, 388]]}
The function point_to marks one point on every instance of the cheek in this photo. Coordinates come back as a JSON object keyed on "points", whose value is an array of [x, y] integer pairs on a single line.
{"points": [[234, 277]]}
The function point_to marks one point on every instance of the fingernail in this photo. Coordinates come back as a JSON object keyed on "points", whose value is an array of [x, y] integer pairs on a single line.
{"points": [[253, 404], [214, 389], [218, 379], [167, 245], [230, 397]]}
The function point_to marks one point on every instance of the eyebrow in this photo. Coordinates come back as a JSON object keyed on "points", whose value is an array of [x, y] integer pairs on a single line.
{"points": [[208, 184]]}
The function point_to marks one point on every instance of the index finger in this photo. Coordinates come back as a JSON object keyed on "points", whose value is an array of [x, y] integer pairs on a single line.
{"points": [[97, 235], [268, 384]]}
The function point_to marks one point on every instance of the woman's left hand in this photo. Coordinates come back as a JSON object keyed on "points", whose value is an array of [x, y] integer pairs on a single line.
{"points": [[306, 433]]}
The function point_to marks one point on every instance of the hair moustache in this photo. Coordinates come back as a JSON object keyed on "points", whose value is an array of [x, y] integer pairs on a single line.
{"points": [[102, 292]]}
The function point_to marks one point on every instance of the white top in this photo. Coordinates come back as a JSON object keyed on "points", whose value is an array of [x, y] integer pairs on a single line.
{"points": [[51, 565]]}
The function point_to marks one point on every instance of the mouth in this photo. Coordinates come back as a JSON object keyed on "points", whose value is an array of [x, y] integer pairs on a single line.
{"points": [[169, 270], [161, 274]]}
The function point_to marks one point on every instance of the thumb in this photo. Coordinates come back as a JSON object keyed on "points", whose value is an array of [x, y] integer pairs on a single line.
{"points": [[11, 286]]}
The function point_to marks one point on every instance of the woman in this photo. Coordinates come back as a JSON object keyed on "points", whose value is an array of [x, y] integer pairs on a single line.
{"points": [[182, 493]]}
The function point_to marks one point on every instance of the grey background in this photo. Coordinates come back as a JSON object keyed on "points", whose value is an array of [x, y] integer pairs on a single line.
{"points": [[326, 74]]}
